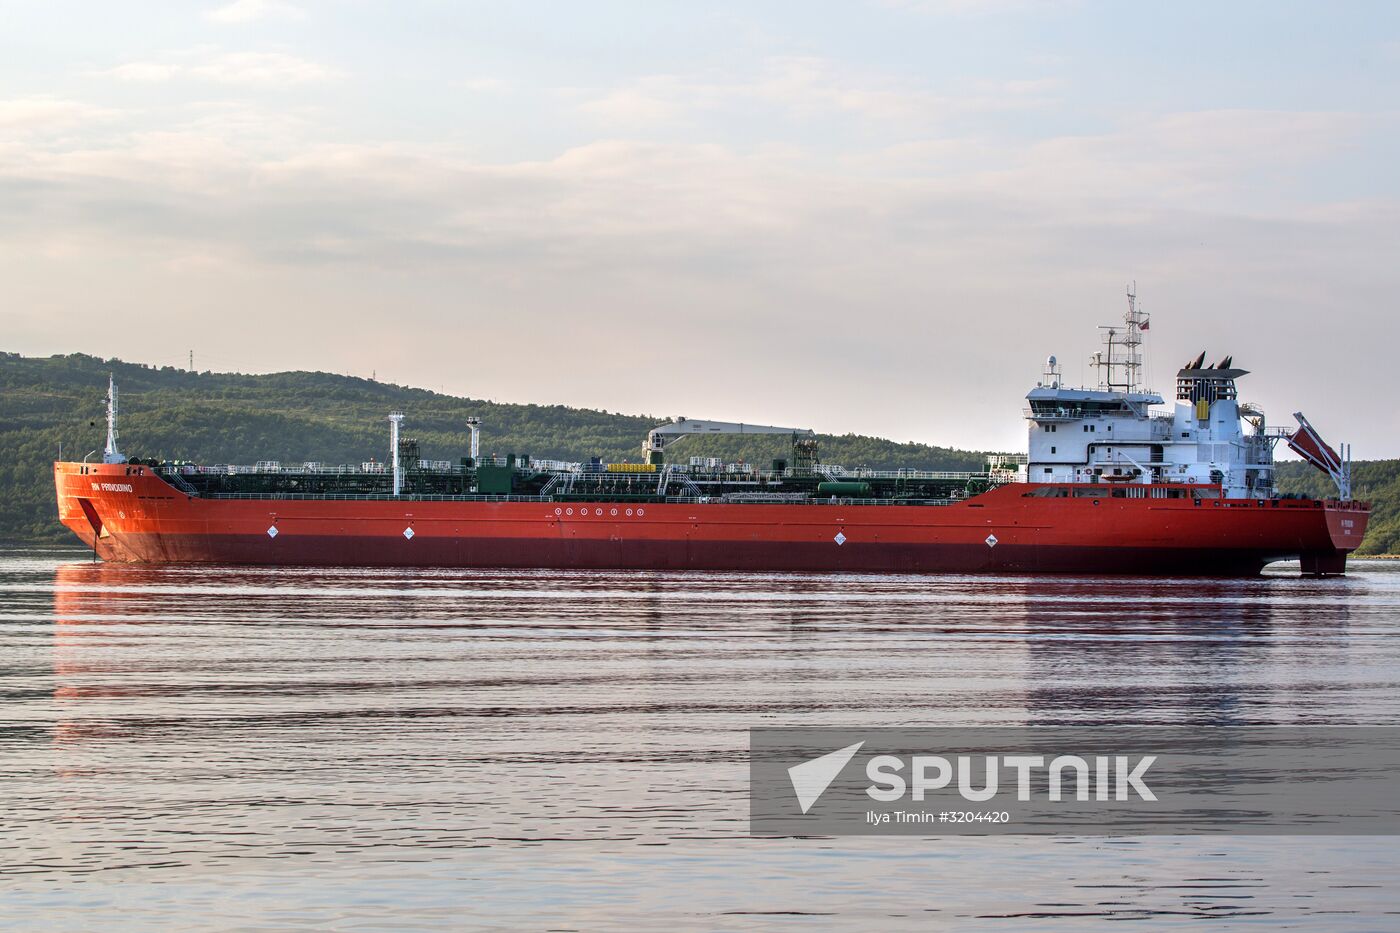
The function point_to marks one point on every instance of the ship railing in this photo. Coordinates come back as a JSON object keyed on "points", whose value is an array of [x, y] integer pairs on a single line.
{"points": [[813, 500], [370, 497], [174, 478], [1161, 423], [670, 500], [556, 466], [367, 468], [901, 474], [1054, 414]]}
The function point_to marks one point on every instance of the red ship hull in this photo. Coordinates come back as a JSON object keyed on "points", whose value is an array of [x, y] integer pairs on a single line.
{"points": [[126, 513]]}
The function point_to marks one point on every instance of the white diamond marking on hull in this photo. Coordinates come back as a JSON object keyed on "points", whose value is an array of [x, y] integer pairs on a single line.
{"points": [[840, 539], [272, 531], [408, 533], [991, 540]]}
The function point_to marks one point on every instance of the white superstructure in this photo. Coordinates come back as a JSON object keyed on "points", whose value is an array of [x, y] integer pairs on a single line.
{"points": [[1112, 434]]}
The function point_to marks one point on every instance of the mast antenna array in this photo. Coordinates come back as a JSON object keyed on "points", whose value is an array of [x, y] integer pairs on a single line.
{"points": [[1119, 364]]}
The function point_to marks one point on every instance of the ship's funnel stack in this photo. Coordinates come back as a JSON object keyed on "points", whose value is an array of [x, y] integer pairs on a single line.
{"points": [[1203, 386]]}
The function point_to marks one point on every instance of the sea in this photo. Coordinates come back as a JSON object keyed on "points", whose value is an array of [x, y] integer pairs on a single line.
{"points": [[228, 748]]}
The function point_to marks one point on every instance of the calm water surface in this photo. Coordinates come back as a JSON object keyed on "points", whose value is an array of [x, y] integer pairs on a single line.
{"points": [[237, 748]]}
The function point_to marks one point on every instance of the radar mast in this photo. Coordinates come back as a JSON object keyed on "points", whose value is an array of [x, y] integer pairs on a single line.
{"points": [[1119, 364]]}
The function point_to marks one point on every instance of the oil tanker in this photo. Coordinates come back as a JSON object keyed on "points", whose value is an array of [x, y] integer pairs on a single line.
{"points": [[1111, 484]]}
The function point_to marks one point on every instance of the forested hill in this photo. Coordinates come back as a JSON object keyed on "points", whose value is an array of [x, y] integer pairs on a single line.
{"points": [[231, 418]]}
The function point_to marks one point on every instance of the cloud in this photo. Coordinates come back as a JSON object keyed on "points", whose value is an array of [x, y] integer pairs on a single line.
{"points": [[28, 114], [246, 11], [271, 69], [1213, 157], [143, 72], [649, 100], [265, 192], [809, 87]]}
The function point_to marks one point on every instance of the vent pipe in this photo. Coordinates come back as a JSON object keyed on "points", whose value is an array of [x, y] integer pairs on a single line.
{"points": [[395, 419], [474, 426]]}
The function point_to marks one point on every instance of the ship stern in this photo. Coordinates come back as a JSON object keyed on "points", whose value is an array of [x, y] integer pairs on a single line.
{"points": [[1344, 528]]}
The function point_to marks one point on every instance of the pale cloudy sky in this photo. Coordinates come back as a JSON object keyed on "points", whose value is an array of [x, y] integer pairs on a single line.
{"points": [[868, 216]]}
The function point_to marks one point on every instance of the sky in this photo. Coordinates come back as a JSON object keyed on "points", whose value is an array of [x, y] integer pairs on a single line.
{"points": [[875, 217]]}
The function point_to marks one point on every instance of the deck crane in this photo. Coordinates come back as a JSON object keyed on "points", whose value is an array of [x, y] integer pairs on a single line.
{"points": [[804, 443]]}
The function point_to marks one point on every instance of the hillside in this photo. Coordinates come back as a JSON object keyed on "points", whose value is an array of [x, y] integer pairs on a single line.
{"points": [[227, 417]]}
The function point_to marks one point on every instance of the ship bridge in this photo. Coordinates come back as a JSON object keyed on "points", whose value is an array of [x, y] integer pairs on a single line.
{"points": [[1050, 404], [1111, 432]]}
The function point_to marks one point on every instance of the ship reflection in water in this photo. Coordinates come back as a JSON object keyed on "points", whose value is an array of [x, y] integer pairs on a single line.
{"points": [[476, 748]]}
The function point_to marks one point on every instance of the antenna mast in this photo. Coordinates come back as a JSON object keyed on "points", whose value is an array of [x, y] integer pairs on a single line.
{"points": [[111, 454], [1120, 362]]}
